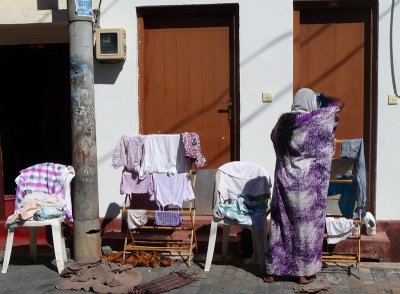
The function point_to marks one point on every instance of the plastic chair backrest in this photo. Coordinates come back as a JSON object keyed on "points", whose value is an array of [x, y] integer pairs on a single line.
{"points": [[241, 177]]}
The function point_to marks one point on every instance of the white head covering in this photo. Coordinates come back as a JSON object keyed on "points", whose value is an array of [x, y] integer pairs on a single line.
{"points": [[304, 101]]}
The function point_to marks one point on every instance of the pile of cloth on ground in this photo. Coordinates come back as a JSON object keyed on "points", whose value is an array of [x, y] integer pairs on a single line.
{"points": [[107, 277], [100, 277], [321, 285]]}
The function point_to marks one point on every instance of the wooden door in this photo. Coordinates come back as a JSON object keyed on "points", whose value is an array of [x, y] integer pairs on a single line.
{"points": [[334, 50], [186, 78]]}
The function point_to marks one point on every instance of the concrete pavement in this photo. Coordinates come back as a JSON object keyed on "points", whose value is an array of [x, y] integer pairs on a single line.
{"points": [[26, 276]]}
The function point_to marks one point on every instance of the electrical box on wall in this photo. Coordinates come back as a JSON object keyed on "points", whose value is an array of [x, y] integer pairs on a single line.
{"points": [[110, 44]]}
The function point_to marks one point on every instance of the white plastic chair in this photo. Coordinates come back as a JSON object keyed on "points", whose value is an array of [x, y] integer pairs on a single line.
{"points": [[232, 179], [56, 229], [58, 241]]}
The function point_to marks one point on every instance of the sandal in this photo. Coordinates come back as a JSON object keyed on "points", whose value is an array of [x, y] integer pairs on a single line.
{"points": [[269, 279]]}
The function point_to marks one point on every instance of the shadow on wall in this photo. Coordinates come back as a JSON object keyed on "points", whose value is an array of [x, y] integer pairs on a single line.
{"points": [[204, 191], [107, 73], [112, 213]]}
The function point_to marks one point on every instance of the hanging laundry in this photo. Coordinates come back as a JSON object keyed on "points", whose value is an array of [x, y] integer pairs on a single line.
{"points": [[354, 148], [163, 154], [136, 218], [172, 189], [338, 229], [128, 152], [131, 183], [192, 148], [167, 218]]}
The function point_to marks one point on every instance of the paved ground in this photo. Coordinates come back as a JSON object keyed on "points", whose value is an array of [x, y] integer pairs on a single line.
{"points": [[26, 276]]}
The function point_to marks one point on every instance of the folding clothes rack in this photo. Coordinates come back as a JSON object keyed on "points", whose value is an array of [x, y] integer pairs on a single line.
{"points": [[339, 167], [179, 239], [138, 240]]}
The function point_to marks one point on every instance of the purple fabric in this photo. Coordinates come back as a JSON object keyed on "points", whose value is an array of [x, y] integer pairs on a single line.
{"points": [[192, 148], [130, 183], [298, 205], [43, 177], [128, 152], [167, 218]]}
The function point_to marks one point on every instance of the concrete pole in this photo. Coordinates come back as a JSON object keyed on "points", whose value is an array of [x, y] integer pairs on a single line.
{"points": [[87, 240]]}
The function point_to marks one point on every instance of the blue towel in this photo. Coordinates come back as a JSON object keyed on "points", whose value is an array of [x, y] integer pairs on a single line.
{"points": [[347, 197], [355, 149]]}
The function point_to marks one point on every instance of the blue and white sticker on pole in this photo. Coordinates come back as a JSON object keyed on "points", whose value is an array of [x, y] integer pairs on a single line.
{"points": [[83, 7]]}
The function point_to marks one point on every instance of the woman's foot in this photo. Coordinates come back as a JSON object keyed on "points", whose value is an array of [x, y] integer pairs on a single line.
{"points": [[304, 281], [313, 277], [269, 279]]}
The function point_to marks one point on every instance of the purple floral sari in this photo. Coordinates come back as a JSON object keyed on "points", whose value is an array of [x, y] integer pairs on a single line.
{"points": [[298, 204]]}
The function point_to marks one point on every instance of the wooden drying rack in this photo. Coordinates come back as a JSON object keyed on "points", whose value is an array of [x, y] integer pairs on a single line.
{"points": [[348, 258], [184, 248]]}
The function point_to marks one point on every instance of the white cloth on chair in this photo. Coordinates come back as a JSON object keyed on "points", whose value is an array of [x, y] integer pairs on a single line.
{"points": [[249, 180], [66, 177], [244, 211], [242, 177], [44, 200]]}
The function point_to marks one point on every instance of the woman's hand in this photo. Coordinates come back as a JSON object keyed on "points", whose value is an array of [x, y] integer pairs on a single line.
{"points": [[327, 100]]}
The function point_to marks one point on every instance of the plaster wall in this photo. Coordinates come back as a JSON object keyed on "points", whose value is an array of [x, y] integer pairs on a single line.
{"points": [[265, 36], [388, 155], [266, 62]]}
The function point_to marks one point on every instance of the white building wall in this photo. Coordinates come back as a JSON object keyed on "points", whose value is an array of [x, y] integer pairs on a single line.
{"points": [[266, 63], [388, 153], [266, 42]]}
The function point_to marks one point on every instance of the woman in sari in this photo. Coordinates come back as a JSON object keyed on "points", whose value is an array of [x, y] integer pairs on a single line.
{"points": [[304, 144]]}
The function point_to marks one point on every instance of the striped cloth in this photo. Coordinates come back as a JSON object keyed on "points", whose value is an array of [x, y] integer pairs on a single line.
{"points": [[173, 280], [48, 178]]}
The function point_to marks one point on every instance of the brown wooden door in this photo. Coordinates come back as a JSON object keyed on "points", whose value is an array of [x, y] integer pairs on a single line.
{"points": [[186, 79], [333, 54]]}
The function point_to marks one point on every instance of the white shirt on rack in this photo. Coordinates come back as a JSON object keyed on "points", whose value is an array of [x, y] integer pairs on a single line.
{"points": [[163, 154], [172, 189]]}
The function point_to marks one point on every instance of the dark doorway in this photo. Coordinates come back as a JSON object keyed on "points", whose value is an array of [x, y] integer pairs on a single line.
{"points": [[35, 118]]}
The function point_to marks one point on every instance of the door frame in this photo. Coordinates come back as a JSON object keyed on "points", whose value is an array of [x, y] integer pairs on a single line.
{"points": [[370, 78], [213, 9]]}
